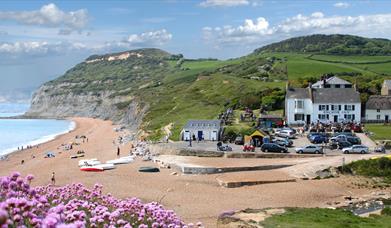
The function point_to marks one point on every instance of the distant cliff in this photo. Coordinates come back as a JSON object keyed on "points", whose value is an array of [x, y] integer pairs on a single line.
{"points": [[103, 86]]}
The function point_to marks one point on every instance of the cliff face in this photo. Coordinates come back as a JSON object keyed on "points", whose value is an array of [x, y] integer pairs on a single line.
{"points": [[53, 101], [103, 86]]}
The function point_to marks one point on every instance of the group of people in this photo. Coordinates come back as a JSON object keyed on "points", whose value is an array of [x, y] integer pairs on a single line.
{"points": [[27, 147]]}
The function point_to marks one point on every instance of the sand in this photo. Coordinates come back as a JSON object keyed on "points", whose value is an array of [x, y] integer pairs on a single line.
{"points": [[194, 197]]}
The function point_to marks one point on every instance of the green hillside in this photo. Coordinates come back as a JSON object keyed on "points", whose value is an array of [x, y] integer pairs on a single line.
{"points": [[336, 44], [175, 89]]}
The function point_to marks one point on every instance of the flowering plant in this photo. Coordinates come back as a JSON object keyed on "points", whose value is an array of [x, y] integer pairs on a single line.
{"points": [[75, 205]]}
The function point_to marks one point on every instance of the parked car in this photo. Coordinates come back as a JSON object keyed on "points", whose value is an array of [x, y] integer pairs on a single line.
{"points": [[283, 142], [353, 140], [343, 144], [273, 147], [344, 133], [380, 149], [357, 128], [319, 139], [311, 134], [356, 149], [239, 140], [285, 128], [311, 149], [339, 138], [286, 134]]}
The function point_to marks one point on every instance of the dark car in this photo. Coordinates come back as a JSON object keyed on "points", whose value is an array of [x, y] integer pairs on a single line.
{"points": [[273, 147], [312, 134], [283, 142], [343, 144], [319, 139], [354, 140], [239, 140]]}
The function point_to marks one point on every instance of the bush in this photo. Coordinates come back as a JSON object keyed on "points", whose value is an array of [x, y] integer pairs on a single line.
{"points": [[386, 211]]}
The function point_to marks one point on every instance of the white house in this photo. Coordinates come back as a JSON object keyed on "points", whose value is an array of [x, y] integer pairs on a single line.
{"points": [[307, 105], [378, 109], [332, 82], [202, 130]]}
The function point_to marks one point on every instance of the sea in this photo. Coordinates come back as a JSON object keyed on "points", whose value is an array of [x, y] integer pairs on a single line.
{"points": [[16, 133]]}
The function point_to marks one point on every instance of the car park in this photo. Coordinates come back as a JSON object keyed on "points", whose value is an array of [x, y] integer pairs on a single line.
{"points": [[273, 147], [356, 149], [310, 149], [283, 142]]}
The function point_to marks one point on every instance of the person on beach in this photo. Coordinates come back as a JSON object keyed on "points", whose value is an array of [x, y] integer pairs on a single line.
{"points": [[53, 179], [118, 151]]}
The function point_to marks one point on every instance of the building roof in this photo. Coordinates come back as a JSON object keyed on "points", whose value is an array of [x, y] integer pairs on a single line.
{"points": [[298, 93], [266, 116], [332, 81], [387, 83], [203, 124], [336, 95], [379, 102]]}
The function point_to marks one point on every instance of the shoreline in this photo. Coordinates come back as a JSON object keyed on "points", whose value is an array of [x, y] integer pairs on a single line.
{"points": [[36, 143]]}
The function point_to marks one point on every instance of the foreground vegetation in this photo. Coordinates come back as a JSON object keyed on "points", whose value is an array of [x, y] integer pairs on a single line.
{"points": [[380, 168], [324, 218]]}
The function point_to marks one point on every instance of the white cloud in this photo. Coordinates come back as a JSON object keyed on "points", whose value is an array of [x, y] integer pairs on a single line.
{"points": [[152, 38], [256, 32], [50, 16], [38, 48], [224, 3], [341, 5]]}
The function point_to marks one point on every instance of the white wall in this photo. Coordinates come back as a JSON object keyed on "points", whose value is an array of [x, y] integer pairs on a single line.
{"points": [[290, 110], [371, 114], [340, 114], [207, 134]]}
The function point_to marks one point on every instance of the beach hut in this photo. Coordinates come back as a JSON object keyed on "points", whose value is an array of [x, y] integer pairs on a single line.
{"points": [[209, 130], [257, 138]]}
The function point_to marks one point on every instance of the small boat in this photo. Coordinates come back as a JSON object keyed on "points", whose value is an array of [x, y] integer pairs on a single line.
{"points": [[91, 169], [89, 162], [122, 160], [105, 166], [149, 169]]}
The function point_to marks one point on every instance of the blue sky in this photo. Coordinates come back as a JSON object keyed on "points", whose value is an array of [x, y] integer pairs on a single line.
{"points": [[40, 40]]}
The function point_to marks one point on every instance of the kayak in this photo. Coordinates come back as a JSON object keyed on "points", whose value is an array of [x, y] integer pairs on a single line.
{"points": [[148, 169], [91, 169], [89, 162], [122, 160], [105, 166]]}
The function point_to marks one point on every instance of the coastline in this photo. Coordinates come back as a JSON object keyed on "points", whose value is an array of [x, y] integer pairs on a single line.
{"points": [[42, 140]]}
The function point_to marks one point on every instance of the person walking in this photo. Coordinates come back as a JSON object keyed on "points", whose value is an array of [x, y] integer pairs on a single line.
{"points": [[53, 179], [118, 151]]}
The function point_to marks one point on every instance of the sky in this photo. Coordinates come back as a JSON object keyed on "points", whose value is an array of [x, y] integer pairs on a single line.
{"points": [[40, 40]]}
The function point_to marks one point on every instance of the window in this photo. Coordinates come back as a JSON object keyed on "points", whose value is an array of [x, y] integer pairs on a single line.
{"points": [[299, 117], [378, 117], [349, 116], [349, 107], [337, 86], [299, 104], [322, 116], [332, 107], [323, 107], [378, 110]]}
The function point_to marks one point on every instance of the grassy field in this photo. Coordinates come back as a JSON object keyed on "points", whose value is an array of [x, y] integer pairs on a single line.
{"points": [[355, 59], [380, 131], [324, 218], [299, 65]]}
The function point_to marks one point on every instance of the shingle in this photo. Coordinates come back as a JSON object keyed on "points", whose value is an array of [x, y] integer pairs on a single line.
{"points": [[336, 95], [379, 102]]}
